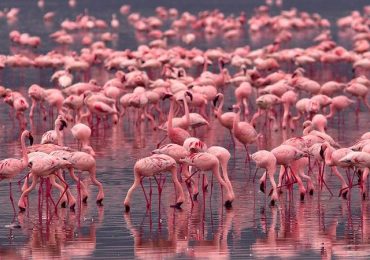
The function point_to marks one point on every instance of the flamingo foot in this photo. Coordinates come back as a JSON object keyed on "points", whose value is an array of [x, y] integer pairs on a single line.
{"points": [[21, 209], [99, 202], [63, 204], [195, 196], [311, 192], [364, 196], [177, 205], [127, 208], [84, 200], [302, 196], [272, 202], [228, 204], [72, 207]]}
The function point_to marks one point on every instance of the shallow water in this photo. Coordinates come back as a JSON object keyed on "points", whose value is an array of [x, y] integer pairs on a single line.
{"points": [[321, 226]]}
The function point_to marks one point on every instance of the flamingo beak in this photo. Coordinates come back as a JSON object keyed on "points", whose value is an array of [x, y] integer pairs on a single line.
{"points": [[215, 101], [64, 124], [190, 95], [166, 96], [322, 153], [30, 137]]}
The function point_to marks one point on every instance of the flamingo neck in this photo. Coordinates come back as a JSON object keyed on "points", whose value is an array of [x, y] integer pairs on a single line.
{"points": [[187, 115], [59, 135], [236, 120], [220, 106], [24, 150], [170, 116], [205, 65]]}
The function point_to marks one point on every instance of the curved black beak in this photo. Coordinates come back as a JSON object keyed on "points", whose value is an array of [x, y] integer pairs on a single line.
{"points": [[322, 153], [64, 124], [30, 137], [190, 95], [166, 96], [215, 100]]}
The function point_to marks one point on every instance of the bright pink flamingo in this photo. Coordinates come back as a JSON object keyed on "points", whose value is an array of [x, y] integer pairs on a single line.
{"points": [[37, 95], [153, 166], [11, 167], [209, 162], [339, 103], [244, 132], [223, 156], [266, 160], [82, 161], [82, 133], [41, 167], [225, 119], [285, 155], [177, 135], [55, 136], [332, 159]]}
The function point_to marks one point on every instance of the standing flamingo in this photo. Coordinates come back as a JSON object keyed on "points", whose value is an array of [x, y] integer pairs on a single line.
{"points": [[151, 167], [11, 167], [266, 160], [225, 119], [244, 132], [205, 162], [55, 136]]}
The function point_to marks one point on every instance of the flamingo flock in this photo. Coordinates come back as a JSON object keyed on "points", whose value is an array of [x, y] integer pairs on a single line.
{"points": [[168, 87]]}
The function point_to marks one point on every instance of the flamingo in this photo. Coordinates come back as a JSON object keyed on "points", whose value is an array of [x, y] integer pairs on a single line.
{"points": [[45, 165], [11, 167], [266, 160], [84, 162], [82, 133], [206, 161], [225, 119], [177, 135], [153, 166], [244, 132], [55, 136]]}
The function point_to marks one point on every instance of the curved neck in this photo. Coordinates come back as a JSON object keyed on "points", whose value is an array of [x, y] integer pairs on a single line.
{"points": [[24, 150], [59, 135], [307, 130], [205, 65], [219, 108], [187, 116], [170, 115], [236, 120]]}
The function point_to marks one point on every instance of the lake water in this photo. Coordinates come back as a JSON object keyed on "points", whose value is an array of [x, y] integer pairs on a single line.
{"points": [[323, 226]]}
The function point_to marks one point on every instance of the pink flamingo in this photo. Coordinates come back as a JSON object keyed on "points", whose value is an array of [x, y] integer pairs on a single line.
{"points": [[37, 94], [332, 158], [11, 167], [266, 160], [55, 136], [205, 162], [153, 166], [225, 119], [244, 132], [45, 166], [82, 161], [177, 135], [82, 133], [285, 155], [339, 103]]}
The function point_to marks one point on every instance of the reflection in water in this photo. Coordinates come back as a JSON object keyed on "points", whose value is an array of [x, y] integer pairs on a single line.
{"points": [[63, 237], [322, 226], [187, 235]]}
